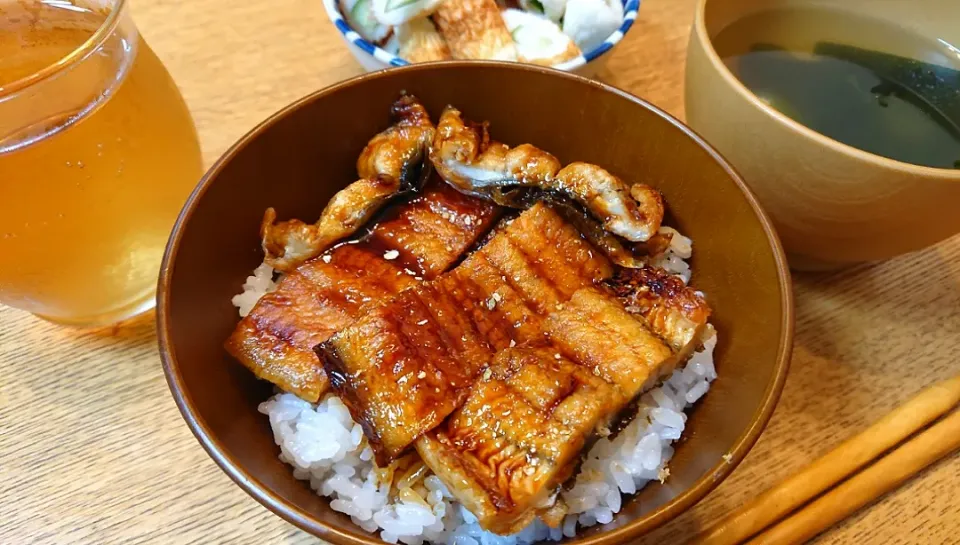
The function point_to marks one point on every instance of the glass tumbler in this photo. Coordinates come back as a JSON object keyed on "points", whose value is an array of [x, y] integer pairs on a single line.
{"points": [[98, 152]]}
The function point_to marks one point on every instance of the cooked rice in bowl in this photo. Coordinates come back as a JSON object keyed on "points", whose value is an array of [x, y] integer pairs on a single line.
{"points": [[327, 447]]}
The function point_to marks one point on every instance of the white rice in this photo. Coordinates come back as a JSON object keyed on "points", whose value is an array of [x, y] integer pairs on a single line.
{"points": [[256, 286], [327, 448]]}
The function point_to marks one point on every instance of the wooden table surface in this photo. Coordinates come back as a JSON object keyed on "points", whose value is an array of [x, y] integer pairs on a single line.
{"points": [[93, 450]]}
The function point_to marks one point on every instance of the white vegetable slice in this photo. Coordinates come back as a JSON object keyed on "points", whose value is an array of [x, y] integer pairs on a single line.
{"points": [[552, 9], [590, 22], [359, 16], [398, 12], [538, 40]]}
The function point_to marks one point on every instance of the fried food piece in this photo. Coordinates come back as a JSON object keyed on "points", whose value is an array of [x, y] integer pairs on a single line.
{"points": [[474, 29], [423, 238], [465, 156], [404, 367], [420, 42], [391, 163]]}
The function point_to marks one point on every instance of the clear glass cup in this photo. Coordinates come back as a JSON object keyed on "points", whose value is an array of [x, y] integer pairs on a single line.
{"points": [[98, 152]]}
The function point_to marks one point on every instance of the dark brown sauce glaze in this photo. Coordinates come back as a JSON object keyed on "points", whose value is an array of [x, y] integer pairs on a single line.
{"points": [[376, 244], [425, 349], [427, 368], [618, 249], [414, 239], [429, 208], [521, 431]]}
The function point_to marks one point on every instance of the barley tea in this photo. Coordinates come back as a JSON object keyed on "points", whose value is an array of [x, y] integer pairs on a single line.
{"points": [[97, 155]]}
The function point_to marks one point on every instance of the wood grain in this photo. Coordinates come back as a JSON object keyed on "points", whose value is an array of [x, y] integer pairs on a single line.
{"points": [[93, 450]]}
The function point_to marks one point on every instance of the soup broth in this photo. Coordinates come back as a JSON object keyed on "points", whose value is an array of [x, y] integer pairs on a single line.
{"points": [[863, 82]]}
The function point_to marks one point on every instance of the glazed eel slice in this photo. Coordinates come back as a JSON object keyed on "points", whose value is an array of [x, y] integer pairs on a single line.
{"points": [[521, 432], [504, 370], [418, 239], [405, 366], [391, 164]]}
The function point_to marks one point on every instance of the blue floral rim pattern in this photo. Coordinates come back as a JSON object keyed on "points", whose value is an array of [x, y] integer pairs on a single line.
{"points": [[630, 8]]}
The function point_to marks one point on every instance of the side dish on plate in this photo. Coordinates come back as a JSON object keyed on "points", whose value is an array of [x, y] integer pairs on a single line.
{"points": [[475, 343], [545, 32]]}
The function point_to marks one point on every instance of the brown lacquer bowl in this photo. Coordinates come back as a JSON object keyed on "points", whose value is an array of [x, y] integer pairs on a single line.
{"points": [[297, 159]]}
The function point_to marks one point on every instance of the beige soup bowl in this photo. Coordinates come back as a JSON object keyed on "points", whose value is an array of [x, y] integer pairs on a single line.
{"points": [[832, 204]]}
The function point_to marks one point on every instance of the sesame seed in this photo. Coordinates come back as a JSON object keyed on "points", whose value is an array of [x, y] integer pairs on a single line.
{"points": [[486, 374], [391, 255], [513, 343], [422, 322], [326, 258], [422, 374]]}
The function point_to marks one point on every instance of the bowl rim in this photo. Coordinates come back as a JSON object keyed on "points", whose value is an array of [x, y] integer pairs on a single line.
{"points": [[304, 520], [699, 30], [630, 9]]}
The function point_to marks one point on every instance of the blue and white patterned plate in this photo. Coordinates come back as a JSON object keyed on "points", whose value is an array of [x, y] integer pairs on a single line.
{"points": [[376, 58]]}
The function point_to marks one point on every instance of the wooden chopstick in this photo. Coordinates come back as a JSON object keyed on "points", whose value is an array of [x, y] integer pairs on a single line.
{"points": [[863, 488], [838, 464]]}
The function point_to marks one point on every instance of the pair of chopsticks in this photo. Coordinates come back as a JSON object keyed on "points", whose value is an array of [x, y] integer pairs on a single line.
{"points": [[785, 515]]}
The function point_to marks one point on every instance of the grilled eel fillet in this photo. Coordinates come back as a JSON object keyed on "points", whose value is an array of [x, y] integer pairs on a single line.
{"points": [[671, 309], [404, 367], [567, 361], [322, 296], [517, 435], [391, 163], [520, 433], [465, 156]]}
